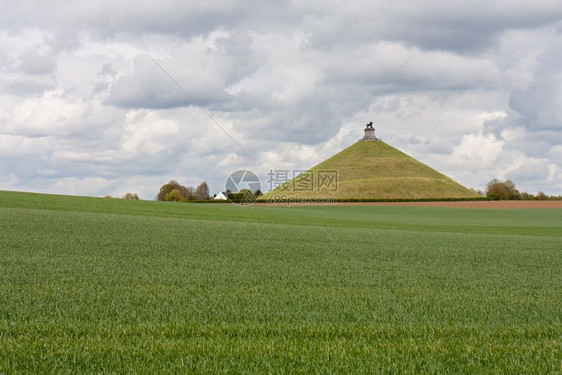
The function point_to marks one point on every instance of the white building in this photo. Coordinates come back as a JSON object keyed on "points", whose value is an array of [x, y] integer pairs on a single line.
{"points": [[221, 196]]}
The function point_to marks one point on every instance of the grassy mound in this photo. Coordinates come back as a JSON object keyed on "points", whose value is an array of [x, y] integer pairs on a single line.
{"points": [[375, 170]]}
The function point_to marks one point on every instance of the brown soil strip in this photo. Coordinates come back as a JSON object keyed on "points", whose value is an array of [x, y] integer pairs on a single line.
{"points": [[461, 204], [466, 204]]}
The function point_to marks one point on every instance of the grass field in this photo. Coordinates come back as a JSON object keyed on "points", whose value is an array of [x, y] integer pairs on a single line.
{"points": [[105, 285]]}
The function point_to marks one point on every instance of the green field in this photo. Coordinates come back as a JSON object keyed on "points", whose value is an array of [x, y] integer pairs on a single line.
{"points": [[106, 285]]}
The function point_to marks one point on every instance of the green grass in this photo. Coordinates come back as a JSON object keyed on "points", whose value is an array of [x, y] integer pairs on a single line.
{"points": [[104, 285], [376, 170]]}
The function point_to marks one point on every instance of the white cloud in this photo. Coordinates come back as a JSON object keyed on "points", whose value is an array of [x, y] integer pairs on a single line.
{"points": [[478, 149], [85, 110]]}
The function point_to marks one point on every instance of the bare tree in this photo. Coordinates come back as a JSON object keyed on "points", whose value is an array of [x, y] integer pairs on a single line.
{"points": [[202, 192]]}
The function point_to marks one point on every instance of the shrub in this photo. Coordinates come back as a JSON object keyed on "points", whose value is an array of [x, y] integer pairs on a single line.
{"points": [[527, 196], [542, 196], [502, 190], [131, 196], [243, 196], [174, 196], [186, 192]]}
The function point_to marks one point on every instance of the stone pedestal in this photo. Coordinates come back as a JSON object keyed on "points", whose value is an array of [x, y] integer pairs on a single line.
{"points": [[369, 135]]}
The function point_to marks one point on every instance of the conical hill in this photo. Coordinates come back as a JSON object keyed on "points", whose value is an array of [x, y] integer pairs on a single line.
{"points": [[372, 169]]}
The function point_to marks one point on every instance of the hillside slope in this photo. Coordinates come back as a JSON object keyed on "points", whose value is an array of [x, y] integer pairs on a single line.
{"points": [[374, 170]]}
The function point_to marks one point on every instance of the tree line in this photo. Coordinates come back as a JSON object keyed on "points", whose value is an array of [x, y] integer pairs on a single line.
{"points": [[173, 191], [506, 190]]}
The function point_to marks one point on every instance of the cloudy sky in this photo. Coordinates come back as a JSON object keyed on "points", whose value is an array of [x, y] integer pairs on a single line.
{"points": [[85, 108]]}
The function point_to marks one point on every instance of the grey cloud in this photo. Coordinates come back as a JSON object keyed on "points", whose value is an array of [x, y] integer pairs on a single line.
{"points": [[37, 63], [280, 77], [204, 75], [534, 171], [104, 78], [423, 72], [27, 87], [465, 27], [454, 26], [536, 108], [146, 87], [105, 19]]}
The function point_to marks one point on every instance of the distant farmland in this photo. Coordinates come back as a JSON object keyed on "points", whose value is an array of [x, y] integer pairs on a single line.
{"points": [[107, 285]]}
